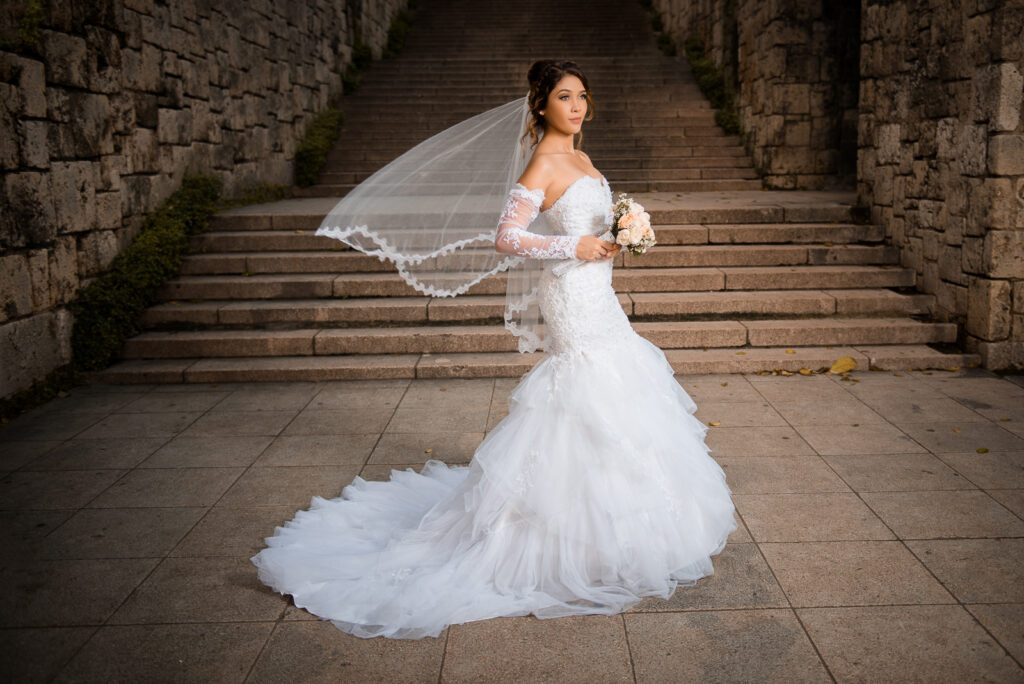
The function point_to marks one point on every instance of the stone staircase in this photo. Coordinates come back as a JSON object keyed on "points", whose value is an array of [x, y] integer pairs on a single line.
{"points": [[742, 279]]}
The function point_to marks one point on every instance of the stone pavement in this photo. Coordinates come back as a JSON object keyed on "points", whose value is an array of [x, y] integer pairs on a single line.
{"points": [[882, 535]]}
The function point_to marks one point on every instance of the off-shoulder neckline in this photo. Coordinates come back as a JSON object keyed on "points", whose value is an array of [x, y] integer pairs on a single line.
{"points": [[600, 177]]}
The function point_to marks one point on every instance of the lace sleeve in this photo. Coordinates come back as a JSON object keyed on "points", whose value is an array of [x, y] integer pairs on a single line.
{"points": [[522, 208]]}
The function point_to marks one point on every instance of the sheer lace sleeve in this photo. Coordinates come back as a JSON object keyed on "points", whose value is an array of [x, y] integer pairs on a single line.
{"points": [[522, 208]]}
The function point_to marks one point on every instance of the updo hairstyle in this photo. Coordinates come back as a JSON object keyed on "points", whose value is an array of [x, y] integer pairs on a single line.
{"points": [[543, 75]]}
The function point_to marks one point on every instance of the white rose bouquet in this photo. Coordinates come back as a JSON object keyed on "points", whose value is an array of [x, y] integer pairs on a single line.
{"points": [[631, 226]]}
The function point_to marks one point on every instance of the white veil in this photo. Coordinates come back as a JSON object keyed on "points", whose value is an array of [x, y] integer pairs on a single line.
{"points": [[434, 211]]}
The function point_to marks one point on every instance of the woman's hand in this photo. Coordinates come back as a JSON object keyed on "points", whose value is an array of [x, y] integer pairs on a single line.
{"points": [[593, 248]]}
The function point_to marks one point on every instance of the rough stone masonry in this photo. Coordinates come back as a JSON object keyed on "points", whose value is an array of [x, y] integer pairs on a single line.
{"points": [[117, 99], [933, 92]]}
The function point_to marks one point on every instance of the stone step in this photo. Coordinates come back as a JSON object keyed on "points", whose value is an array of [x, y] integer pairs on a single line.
{"points": [[831, 236], [413, 94], [734, 218], [623, 167], [323, 285], [702, 134], [669, 119], [666, 256], [464, 108], [509, 364], [658, 176], [446, 339], [614, 170], [661, 145], [271, 313], [341, 189]]}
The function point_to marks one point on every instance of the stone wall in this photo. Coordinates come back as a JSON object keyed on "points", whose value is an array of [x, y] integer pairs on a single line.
{"points": [[935, 98], [117, 99], [941, 161], [795, 64]]}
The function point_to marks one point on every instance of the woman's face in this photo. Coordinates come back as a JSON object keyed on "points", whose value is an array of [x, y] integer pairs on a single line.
{"points": [[566, 106]]}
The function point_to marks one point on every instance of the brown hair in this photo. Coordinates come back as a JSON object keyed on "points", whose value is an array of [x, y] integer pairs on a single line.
{"points": [[543, 75]]}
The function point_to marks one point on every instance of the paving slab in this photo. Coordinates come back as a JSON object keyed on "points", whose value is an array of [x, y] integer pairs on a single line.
{"points": [[128, 552], [573, 649], [907, 643], [852, 573], [931, 515], [976, 570], [722, 646], [213, 653], [314, 651]]}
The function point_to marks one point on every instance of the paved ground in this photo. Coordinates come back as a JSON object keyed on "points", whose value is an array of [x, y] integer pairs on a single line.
{"points": [[882, 536]]}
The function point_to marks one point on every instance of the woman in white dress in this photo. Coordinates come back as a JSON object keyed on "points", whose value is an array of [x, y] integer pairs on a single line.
{"points": [[594, 491]]}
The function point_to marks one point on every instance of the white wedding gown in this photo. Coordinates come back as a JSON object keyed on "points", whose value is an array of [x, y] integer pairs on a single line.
{"points": [[594, 491]]}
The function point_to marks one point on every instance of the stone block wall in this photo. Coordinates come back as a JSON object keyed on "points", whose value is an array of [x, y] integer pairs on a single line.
{"points": [[795, 64], [941, 161], [102, 116]]}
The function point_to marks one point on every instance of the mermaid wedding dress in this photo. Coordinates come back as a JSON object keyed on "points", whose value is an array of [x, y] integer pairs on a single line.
{"points": [[594, 491]]}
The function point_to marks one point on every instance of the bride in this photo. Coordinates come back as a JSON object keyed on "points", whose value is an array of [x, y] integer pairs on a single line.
{"points": [[594, 491]]}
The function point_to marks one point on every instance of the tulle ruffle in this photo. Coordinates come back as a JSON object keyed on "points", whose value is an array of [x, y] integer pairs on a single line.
{"points": [[595, 491]]}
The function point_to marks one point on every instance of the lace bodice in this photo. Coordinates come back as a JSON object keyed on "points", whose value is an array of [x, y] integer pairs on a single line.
{"points": [[577, 212]]}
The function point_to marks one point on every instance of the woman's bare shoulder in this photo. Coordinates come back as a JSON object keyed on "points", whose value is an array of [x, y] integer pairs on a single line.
{"points": [[537, 174]]}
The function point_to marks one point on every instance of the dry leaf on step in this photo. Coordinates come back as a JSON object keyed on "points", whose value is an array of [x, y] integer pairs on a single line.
{"points": [[844, 364]]}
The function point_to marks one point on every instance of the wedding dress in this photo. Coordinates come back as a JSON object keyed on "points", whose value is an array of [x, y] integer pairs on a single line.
{"points": [[594, 491]]}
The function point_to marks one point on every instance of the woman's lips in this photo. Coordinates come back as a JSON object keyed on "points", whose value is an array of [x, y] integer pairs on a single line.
{"points": [[576, 120]]}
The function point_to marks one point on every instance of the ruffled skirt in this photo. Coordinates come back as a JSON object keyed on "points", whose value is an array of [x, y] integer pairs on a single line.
{"points": [[594, 491]]}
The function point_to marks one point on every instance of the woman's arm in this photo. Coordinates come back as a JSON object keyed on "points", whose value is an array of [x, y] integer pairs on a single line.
{"points": [[521, 209]]}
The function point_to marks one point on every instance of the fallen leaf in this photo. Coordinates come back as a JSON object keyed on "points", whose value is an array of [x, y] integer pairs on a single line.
{"points": [[1005, 420], [805, 371], [785, 372], [957, 430], [844, 364], [740, 353], [715, 423], [725, 383], [443, 389], [791, 351], [982, 450]]}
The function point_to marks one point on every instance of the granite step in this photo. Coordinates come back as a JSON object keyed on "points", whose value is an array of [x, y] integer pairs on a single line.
{"points": [[510, 364], [389, 310], [809, 236], [703, 185], [703, 133], [489, 308], [306, 213], [445, 339], [669, 256], [390, 284], [626, 168]]}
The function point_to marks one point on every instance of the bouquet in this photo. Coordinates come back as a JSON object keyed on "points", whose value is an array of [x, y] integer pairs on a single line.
{"points": [[631, 229], [631, 226]]}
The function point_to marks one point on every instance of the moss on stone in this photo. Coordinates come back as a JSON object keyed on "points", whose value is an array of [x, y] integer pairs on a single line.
{"points": [[713, 85], [106, 312], [317, 141]]}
